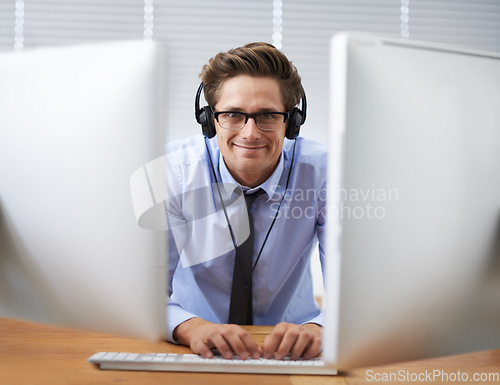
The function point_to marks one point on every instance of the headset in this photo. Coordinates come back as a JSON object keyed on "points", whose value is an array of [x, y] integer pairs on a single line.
{"points": [[204, 116]]}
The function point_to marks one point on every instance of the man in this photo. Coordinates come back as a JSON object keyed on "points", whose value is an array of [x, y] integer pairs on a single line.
{"points": [[250, 127]]}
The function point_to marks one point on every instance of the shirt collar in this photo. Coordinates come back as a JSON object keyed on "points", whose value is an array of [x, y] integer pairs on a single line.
{"points": [[270, 186]]}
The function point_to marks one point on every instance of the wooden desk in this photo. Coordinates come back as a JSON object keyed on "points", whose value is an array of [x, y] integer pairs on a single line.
{"points": [[39, 354]]}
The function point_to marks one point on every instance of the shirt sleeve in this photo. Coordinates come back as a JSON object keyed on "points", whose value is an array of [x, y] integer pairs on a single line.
{"points": [[319, 319], [175, 313], [175, 316]]}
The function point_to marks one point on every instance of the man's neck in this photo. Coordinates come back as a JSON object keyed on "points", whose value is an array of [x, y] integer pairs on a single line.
{"points": [[251, 180]]}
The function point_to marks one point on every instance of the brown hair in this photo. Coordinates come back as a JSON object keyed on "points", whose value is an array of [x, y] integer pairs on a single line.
{"points": [[254, 59]]}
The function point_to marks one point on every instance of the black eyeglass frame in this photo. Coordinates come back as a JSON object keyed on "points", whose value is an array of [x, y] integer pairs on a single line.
{"points": [[248, 116]]}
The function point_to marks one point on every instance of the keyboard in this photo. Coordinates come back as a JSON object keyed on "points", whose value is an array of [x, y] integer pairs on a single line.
{"points": [[195, 363]]}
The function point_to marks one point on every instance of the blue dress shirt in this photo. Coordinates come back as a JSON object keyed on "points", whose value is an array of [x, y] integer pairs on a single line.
{"points": [[201, 248]]}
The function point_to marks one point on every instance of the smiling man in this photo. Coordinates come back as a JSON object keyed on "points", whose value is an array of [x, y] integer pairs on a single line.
{"points": [[250, 154], [250, 140]]}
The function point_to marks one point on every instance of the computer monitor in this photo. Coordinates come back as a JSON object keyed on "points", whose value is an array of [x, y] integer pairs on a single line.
{"points": [[75, 124], [414, 201]]}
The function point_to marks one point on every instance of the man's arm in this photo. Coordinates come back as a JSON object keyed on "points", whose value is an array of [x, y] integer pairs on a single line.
{"points": [[203, 336]]}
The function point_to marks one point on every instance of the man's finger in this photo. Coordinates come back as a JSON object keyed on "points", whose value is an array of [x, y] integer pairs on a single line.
{"points": [[273, 340], [236, 341], [222, 345], [292, 334], [250, 345], [302, 343], [201, 348], [313, 349]]}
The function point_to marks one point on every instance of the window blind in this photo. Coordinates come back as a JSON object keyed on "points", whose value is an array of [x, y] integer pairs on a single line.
{"points": [[7, 24], [192, 32], [62, 22], [474, 24], [307, 30]]}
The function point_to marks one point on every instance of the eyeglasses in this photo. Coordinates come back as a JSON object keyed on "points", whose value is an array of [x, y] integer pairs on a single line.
{"points": [[265, 121]]}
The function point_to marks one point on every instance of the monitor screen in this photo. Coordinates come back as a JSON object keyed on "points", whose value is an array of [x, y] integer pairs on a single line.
{"points": [[76, 123], [414, 201]]}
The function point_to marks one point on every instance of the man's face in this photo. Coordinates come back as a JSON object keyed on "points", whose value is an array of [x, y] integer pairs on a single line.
{"points": [[251, 155]]}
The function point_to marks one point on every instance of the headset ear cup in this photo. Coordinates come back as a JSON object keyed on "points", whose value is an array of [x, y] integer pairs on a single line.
{"points": [[294, 122], [204, 116], [207, 122]]}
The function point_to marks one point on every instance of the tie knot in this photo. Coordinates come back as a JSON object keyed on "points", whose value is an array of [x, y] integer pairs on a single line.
{"points": [[250, 198]]}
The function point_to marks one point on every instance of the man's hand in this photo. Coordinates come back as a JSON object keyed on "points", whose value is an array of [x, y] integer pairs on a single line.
{"points": [[203, 336], [296, 340]]}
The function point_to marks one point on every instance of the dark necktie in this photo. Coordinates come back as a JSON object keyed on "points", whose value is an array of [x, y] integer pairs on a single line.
{"points": [[240, 308]]}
